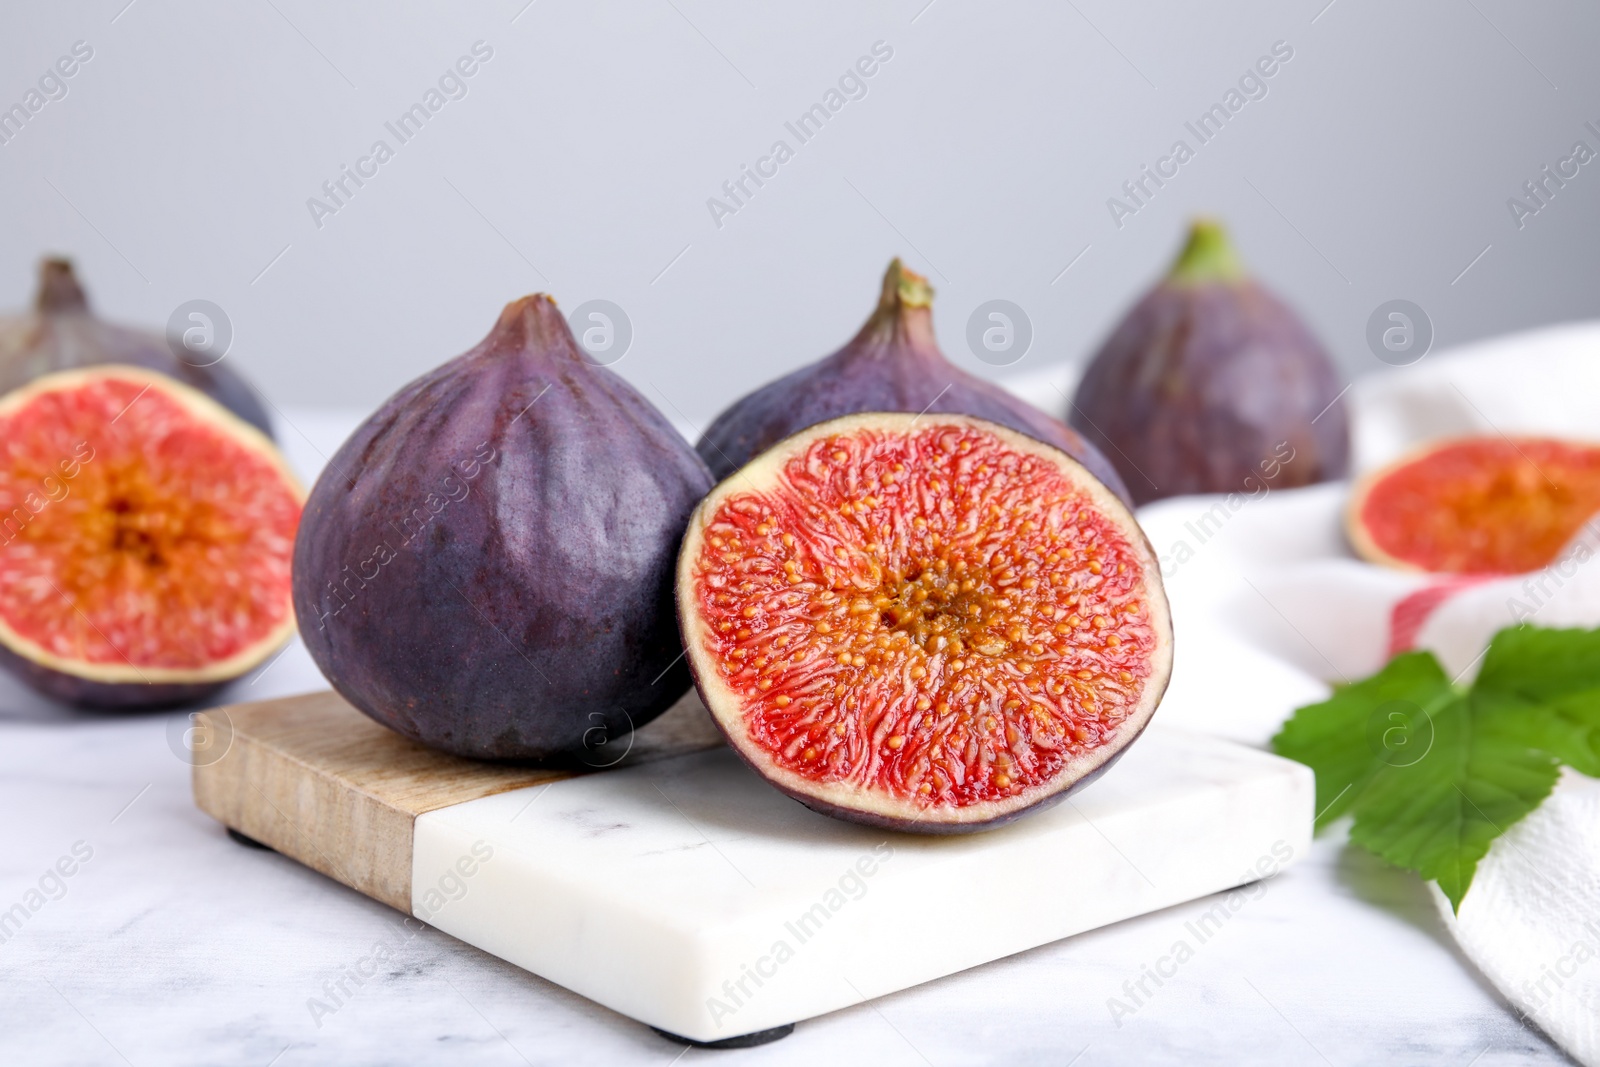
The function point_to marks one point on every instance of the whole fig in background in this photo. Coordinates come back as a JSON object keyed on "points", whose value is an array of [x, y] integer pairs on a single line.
{"points": [[61, 333], [486, 565], [892, 364], [1213, 385]]}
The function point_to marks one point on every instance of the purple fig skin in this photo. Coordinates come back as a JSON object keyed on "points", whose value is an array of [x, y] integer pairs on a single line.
{"points": [[892, 364], [61, 333], [1211, 384], [486, 566], [109, 696]]}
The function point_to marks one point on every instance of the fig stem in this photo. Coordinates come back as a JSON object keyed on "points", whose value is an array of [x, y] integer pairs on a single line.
{"points": [[1207, 257], [59, 290], [534, 321], [904, 288], [904, 312]]}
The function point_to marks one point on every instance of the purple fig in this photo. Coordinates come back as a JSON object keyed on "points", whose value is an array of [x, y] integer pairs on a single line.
{"points": [[892, 364], [486, 565], [1211, 384], [61, 333]]}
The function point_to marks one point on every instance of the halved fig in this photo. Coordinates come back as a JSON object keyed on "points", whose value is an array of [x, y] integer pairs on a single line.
{"points": [[929, 623], [1476, 505], [145, 537]]}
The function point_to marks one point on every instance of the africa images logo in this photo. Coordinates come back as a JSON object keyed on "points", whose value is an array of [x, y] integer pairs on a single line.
{"points": [[1252, 85], [852, 85], [339, 190]]}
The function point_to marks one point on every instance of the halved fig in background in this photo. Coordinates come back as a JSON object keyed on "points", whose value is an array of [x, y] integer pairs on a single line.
{"points": [[145, 538], [928, 623], [1476, 505]]}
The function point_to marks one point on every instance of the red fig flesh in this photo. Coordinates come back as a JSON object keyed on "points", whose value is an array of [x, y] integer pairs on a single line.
{"points": [[145, 535], [929, 623], [1477, 505]]}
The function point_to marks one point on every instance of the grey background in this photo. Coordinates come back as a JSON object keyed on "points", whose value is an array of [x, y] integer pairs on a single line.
{"points": [[1378, 167]]}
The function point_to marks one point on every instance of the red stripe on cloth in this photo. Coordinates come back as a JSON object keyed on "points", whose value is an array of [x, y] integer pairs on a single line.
{"points": [[1407, 617]]}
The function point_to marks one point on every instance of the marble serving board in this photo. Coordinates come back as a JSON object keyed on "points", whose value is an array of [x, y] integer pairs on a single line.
{"points": [[675, 887]]}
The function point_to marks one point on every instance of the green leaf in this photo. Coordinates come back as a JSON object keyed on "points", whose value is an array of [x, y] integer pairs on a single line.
{"points": [[1438, 815], [1341, 738], [1559, 669], [1433, 773]]}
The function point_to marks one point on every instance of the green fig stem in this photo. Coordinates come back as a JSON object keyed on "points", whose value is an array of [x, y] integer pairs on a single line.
{"points": [[904, 288], [59, 290], [1207, 257]]}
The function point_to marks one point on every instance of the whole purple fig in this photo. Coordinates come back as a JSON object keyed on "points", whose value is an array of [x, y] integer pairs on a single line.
{"points": [[486, 565], [1213, 385], [892, 364]]}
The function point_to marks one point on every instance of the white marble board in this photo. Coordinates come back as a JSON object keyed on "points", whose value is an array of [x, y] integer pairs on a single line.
{"points": [[690, 895]]}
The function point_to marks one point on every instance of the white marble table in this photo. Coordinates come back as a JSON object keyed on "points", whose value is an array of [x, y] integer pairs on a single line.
{"points": [[173, 945]]}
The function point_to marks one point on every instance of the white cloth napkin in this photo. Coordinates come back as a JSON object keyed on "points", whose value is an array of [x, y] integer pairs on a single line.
{"points": [[1270, 605]]}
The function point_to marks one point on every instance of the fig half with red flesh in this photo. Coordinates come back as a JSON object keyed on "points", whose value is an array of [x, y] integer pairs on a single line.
{"points": [[145, 538], [927, 623], [1477, 505]]}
